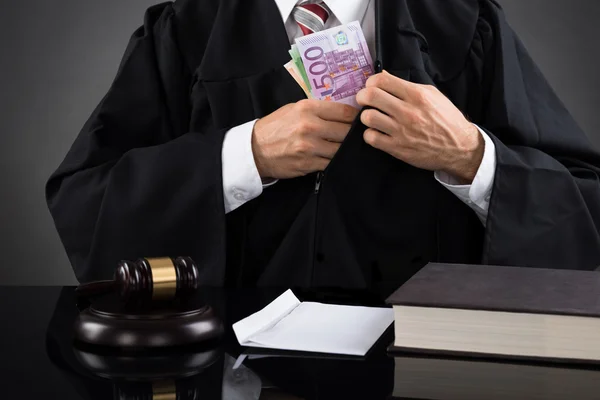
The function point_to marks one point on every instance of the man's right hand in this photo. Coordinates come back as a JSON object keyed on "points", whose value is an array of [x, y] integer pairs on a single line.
{"points": [[300, 138]]}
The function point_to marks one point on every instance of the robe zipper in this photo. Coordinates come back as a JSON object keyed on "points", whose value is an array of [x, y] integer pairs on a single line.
{"points": [[318, 182]]}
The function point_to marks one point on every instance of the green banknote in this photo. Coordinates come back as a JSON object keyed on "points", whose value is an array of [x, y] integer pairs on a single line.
{"points": [[297, 59]]}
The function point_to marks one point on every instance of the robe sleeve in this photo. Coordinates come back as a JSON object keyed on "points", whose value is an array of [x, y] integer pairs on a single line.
{"points": [[545, 204], [135, 182]]}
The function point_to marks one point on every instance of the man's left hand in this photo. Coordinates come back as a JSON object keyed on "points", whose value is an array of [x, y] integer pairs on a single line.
{"points": [[420, 126]]}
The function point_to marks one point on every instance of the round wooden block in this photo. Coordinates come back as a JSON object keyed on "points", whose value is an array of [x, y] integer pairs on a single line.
{"points": [[108, 323]]}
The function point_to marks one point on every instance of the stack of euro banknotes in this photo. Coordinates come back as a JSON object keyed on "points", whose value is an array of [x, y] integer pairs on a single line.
{"points": [[332, 65]]}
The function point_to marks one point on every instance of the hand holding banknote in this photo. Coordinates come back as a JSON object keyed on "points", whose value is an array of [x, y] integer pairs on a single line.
{"points": [[300, 138], [331, 66]]}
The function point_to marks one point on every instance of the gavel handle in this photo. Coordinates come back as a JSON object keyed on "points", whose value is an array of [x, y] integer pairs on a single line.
{"points": [[92, 289]]}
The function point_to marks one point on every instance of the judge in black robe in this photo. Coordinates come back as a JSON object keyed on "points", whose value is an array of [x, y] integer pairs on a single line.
{"points": [[144, 178]]}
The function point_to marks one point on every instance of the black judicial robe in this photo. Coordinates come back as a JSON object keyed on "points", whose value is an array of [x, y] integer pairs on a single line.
{"points": [[143, 178]]}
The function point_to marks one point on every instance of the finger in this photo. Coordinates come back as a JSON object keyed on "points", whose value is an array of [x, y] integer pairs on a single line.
{"points": [[336, 112], [395, 86], [377, 120], [312, 164], [377, 98], [320, 164], [378, 140], [333, 131], [326, 149]]}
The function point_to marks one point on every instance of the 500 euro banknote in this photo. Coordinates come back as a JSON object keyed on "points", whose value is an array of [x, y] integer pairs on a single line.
{"points": [[337, 62]]}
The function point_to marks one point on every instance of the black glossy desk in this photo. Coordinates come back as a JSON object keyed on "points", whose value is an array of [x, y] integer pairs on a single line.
{"points": [[39, 360]]}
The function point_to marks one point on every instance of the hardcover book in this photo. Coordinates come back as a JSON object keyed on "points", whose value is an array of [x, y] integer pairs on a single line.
{"points": [[505, 312]]}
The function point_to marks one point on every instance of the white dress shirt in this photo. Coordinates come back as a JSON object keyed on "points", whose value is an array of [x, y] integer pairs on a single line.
{"points": [[241, 181]]}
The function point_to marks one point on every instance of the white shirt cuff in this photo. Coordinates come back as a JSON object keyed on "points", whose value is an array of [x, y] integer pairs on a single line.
{"points": [[476, 195], [241, 180]]}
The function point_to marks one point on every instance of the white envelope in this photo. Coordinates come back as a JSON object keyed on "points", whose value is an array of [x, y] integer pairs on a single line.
{"points": [[288, 324]]}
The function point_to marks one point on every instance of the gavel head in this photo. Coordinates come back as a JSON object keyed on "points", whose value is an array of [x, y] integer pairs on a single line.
{"points": [[156, 279]]}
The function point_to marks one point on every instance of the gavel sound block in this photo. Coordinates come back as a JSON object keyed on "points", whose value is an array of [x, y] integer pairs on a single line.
{"points": [[148, 305]]}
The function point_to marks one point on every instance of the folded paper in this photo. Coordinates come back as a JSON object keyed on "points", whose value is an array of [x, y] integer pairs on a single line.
{"points": [[288, 324]]}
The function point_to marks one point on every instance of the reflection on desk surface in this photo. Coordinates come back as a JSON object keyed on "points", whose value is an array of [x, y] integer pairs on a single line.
{"points": [[449, 379], [65, 370]]}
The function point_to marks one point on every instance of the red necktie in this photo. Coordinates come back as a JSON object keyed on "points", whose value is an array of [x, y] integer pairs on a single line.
{"points": [[311, 17]]}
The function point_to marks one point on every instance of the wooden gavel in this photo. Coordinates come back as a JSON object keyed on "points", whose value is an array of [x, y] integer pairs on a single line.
{"points": [[147, 280]]}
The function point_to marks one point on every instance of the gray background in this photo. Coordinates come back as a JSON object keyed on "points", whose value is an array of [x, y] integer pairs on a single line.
{"points": [[59, 58]]}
